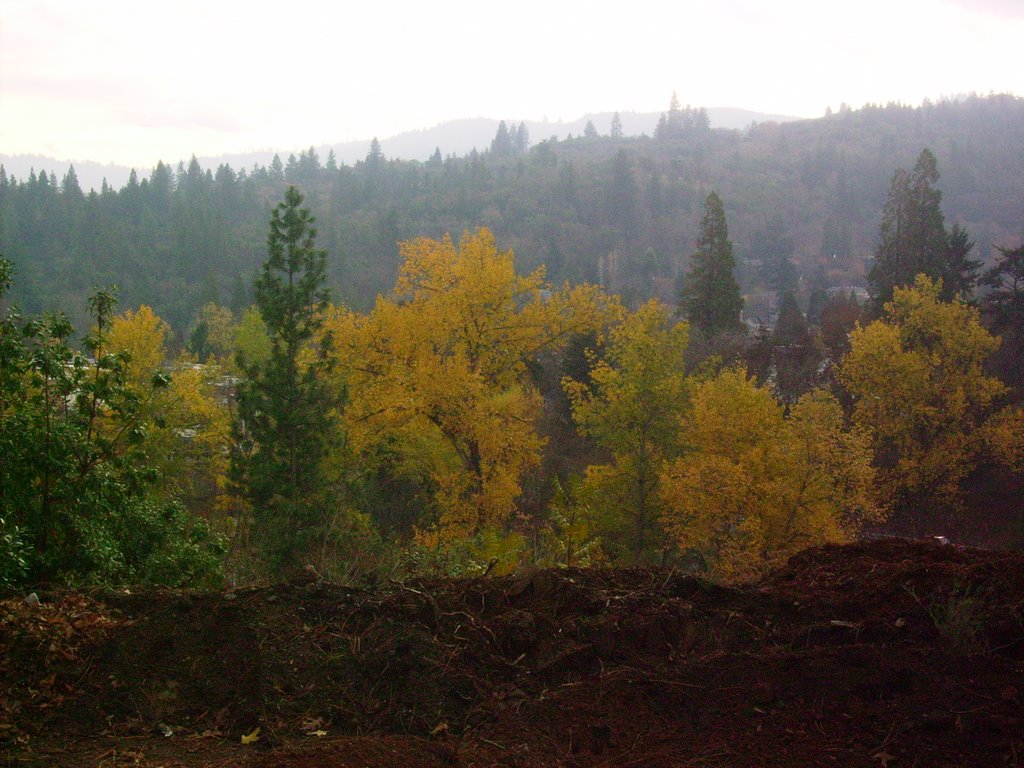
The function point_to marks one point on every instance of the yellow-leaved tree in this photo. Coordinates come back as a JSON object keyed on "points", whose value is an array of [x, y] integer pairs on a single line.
{"points": [[142, 334], [918, 383], [756, 485], [632, 407], [187, 425], [438, 373]]}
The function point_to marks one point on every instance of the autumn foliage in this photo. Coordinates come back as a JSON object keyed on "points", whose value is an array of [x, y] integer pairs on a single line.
{"points": [[477, 419], [439, 372], [919, 385], [757, 484]]}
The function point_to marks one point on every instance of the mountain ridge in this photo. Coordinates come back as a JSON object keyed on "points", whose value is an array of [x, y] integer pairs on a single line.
{"points": [[452, 137]]}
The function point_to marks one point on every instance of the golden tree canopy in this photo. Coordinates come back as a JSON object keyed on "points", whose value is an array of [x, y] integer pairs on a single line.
{"points": [[756, 485], [440, 370], [918, 383]]}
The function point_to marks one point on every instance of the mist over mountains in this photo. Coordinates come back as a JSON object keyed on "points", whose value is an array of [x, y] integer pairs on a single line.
{"points": [[454, 137]]}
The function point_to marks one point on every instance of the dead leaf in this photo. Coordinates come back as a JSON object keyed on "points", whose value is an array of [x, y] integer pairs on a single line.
{"points": [[252, 737]]}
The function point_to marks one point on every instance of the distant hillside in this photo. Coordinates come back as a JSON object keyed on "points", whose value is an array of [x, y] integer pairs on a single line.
{"points": [[803, 202], [455, 137]]}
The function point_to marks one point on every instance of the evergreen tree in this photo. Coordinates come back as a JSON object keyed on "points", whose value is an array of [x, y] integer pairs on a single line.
{"points": [[521, 141], [1003, 309], [959, 271], [711, 296], [375, 156], [291, 169], [795, 355], [283, 429], [589, 131], [791, 326], [616, 126], [70, 187], [276, 169], [914, 239], [1003, 305], [309, 165], [774, 246], [674, 124], [674, 121], [622, 195], [501, 144]]}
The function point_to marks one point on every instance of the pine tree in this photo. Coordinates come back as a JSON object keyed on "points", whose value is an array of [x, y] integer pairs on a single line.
{"points": [[283, 429], [711, 297]]}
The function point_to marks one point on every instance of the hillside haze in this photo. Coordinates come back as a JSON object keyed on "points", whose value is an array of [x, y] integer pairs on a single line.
{"points": [[455, 137]]}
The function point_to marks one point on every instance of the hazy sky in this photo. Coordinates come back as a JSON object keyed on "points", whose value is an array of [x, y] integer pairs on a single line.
{"points": [[135, 81]]}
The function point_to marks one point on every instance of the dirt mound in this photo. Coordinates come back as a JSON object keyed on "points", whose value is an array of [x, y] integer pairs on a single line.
{"points": [[886, 653]]}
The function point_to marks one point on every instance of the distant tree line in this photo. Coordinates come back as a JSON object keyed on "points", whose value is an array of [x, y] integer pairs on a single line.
{"points": [[803, 201]]}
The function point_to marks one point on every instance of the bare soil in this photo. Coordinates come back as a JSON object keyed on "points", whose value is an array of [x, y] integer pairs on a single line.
{"points": [[885, 654]]}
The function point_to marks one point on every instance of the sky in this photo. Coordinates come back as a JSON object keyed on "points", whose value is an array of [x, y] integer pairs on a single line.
{"points": [[132, 81]]}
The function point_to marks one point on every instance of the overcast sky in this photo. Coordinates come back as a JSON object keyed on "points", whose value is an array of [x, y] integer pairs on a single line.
{"points": [[135, 81]]}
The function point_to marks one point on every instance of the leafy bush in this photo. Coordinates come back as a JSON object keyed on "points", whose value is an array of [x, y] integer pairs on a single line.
{"points": [[78, 495]]}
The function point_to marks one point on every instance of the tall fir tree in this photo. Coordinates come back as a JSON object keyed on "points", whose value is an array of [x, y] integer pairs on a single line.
{"points": [[283, 427], [913, 238], [711, 297]]}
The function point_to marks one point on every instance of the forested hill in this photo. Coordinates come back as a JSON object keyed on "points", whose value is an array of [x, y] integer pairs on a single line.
{"points": [[620, 211]]}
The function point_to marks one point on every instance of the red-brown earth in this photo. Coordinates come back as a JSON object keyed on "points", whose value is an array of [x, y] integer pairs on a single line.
{"points": [[884, 654]]}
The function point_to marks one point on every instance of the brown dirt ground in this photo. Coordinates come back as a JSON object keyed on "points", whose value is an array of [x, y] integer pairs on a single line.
{"points": [[884, 654]]}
